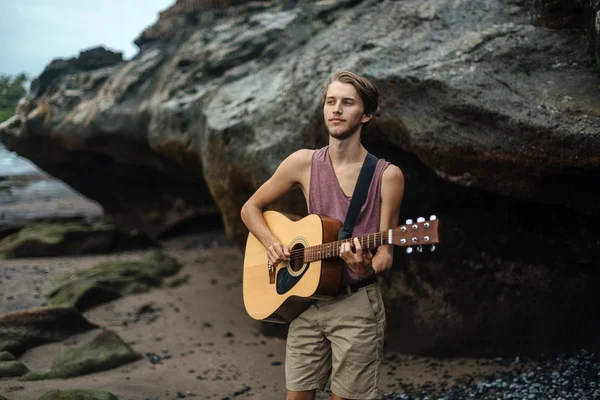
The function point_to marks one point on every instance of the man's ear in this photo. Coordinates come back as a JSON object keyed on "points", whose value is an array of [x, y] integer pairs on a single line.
{"points": [[366, 118]]}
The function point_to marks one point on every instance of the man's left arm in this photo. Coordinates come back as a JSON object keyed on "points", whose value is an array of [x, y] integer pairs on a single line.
{"points": [[392, 192]]}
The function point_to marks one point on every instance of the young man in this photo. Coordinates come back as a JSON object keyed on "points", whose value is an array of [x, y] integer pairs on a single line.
{"points": [[340, 339]]}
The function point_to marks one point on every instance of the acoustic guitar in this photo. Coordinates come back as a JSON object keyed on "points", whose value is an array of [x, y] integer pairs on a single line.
{"points": [[314, 270]]}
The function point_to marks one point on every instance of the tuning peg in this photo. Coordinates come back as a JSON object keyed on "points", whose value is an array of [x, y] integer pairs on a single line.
{"points": [[432, 218], [409, 250], [432, 248], [409, 221], [420, 219], [420, 249]]}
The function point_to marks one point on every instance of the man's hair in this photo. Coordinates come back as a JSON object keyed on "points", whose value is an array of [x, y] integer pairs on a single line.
{"points": [[366, 89]]}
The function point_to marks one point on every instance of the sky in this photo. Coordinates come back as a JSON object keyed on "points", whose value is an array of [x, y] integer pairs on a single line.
{"points": [[33, 32]]}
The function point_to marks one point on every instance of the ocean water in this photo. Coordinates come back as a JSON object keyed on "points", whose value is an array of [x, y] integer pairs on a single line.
{"points": [[34, 184], [11, 164]]}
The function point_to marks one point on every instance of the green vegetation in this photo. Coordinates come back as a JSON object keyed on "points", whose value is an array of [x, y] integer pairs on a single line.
{"points": [[11, 91]]}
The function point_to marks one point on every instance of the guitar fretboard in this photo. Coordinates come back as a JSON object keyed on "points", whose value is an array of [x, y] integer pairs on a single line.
{"points": [[332, 249]]}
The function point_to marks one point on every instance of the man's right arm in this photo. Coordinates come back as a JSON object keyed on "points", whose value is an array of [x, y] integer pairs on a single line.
{"points": [[293, 170]]}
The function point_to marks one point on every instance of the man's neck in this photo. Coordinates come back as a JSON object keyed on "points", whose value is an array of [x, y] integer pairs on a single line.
{"points": [[347, 151]]}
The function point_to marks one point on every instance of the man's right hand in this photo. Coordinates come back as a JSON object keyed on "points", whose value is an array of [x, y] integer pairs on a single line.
{"points": [[277, 253]]}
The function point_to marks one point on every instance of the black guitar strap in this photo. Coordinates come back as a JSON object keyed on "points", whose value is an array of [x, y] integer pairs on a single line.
{"points": [[358, 197]]}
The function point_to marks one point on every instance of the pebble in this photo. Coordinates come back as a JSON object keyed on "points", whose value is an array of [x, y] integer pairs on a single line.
{"points": [[572, 376]]}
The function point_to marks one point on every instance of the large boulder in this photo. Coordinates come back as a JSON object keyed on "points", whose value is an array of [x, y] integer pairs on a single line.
{"points": [[490, 109]]}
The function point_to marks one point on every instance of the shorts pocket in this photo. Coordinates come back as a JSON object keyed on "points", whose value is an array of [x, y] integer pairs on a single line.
{"points": [[373, 295]]}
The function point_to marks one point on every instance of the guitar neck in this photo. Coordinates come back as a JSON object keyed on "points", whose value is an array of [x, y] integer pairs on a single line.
{"points": [[332, 249]]}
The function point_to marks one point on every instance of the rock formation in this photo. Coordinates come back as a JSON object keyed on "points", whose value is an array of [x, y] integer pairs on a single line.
{"points": [[491, 108], [110, 280], [106, 350], [22, 330], [78, 395]]}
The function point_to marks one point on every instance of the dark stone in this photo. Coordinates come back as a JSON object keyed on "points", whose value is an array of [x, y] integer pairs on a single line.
{"points": [[105, 351], [110, 280], [78, 395], [23, 330], [10, 369]]}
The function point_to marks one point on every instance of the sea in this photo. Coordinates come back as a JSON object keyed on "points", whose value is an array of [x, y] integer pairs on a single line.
{"points": [[11, 164], [33, 184]]}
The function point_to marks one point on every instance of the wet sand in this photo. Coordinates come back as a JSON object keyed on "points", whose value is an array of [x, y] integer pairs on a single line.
{"points": [[198, 343], [197, 340]]}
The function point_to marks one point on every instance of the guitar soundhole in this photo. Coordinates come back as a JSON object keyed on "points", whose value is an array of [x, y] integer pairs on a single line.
{"points": [[297, 259]]}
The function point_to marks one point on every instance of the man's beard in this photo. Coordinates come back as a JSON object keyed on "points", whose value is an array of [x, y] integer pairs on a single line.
{"points": [[345, 134]]}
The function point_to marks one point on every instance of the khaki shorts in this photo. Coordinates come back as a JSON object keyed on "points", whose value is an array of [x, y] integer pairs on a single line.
{"points": [[341, 339]]}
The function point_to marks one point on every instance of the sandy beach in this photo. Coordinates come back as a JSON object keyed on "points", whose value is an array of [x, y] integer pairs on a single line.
{"points": [[199, 341], [196, 339]]}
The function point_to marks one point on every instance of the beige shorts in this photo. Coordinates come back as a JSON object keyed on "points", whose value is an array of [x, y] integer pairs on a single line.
{"points": [[341, 339]]}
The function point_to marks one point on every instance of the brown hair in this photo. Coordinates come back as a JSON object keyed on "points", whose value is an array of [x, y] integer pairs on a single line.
{"points": [[366, 89]]}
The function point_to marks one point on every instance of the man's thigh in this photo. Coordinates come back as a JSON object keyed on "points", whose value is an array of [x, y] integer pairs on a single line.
{"points": [[355, 330], [308, 353]]}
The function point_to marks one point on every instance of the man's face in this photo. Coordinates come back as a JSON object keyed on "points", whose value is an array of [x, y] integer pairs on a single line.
{"points": [[343, 111]]}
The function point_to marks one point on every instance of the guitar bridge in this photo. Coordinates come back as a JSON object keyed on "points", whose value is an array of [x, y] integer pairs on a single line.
{"points": [[271, 274]]}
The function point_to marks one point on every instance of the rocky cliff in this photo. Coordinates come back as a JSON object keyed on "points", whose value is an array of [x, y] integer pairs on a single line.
{"points": [[490, 107]]}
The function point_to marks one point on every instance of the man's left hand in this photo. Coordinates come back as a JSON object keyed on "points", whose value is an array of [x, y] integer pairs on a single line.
{"points": [[359, 261]]}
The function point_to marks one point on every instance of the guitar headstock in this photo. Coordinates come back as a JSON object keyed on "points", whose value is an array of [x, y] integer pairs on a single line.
{"points": [[420, 233]]}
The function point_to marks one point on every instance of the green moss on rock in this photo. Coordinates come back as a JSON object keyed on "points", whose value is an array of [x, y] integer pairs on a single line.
{"points": [[6, 356], [77, 395], [22, 330], [179, 281], [53, 239], [110, 280], [107, 350], [12, 368]]}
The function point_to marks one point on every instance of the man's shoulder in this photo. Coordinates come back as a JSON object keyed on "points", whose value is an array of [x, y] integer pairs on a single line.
{"points": [[301, 157], [392, 174]]}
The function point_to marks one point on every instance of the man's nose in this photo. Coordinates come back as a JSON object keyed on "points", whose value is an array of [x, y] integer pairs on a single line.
{"points": [[337, 108]]}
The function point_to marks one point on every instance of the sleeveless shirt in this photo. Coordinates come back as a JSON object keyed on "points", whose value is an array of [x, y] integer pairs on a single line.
{"points": [[326, 197]]}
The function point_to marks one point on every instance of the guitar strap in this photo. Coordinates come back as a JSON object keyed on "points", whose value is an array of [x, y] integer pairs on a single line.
{"points": [[358, 197]]}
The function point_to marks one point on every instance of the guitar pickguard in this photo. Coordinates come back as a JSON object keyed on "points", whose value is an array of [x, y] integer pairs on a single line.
{"points": [[285, 281]]}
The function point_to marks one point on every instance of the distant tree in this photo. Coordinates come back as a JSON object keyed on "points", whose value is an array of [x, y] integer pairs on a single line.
{"points": [[11, 91]]}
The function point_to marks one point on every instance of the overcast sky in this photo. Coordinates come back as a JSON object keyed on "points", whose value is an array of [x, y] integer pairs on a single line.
{"points": [[33, 32]]}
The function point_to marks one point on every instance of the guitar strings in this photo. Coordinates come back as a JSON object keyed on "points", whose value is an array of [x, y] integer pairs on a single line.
{"points": [[301, 250], [299, 253]]}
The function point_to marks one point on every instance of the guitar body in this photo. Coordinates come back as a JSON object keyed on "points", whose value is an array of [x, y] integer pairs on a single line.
{"points": [[281, 295]]}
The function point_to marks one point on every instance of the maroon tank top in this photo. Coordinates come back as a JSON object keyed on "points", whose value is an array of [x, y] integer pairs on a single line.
{"points": [[326, 197]]}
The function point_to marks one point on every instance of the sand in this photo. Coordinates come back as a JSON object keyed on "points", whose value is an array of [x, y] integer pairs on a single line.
{"points": [[197, 341]]}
